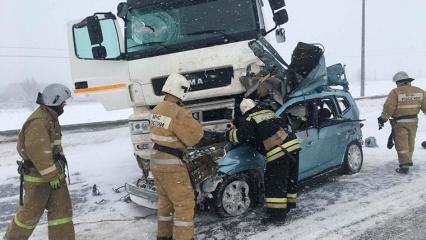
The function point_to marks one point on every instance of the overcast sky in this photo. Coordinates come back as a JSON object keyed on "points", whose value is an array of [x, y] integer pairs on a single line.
{"points": [[34, 38]]}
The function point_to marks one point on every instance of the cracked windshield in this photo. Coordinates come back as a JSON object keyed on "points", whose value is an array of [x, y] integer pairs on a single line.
{"points": [[166, 28]]}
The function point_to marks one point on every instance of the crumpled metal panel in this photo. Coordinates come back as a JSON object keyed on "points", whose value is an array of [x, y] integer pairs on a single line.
{"points": [[315, 79], [337, 77], [202, 163]]}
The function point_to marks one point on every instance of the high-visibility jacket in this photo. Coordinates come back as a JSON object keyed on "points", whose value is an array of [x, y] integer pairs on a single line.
{"points": [[173, 126], [40, 141], [404, 100], [262, 127]]}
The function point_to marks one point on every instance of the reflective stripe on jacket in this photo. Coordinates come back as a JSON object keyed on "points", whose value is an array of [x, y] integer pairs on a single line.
{"points": [[404, 100], [39, 140], [173, 126], [268, 131], [290, 145]]}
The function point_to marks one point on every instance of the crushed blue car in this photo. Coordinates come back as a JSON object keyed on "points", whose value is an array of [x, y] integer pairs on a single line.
{"points": [[323, 115]]}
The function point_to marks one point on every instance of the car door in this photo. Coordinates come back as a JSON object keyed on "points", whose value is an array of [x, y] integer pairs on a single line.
{"points": [[307, 135], [333, 130]]}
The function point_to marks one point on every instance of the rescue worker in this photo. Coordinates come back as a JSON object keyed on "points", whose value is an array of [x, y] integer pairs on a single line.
{"points": [[262, 127], [39, 145], [402, 106], [173, 130]]}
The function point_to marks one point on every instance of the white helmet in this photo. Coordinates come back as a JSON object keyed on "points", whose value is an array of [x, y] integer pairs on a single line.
{"points": [[54, 95], [246, 104], [402, 76], [176, 85]]}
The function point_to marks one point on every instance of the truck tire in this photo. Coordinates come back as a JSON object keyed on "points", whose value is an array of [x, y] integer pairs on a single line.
{"points": [[424, 144], [234, 196], [353, 158]]}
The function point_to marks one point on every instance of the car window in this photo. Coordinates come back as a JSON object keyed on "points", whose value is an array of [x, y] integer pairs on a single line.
{"points": [[300, 116], [343, 104], [326, 111]]}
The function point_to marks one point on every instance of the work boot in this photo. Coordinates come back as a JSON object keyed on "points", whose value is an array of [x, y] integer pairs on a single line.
{"points": [[290, 206], [273, 220], [274, 217], [402, 169], [164, 238]]}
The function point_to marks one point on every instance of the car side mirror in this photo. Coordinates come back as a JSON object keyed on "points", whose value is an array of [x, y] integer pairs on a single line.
{"points": [[280, 35], [95, 30], [280, 17], [122, 10], [276, 4]]}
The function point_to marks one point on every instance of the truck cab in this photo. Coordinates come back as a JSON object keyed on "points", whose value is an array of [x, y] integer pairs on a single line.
{"points": [[206, 41]]}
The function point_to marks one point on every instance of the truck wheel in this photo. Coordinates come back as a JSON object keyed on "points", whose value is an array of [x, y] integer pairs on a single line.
{"points": [[424, 144], [353, 158], [234, 196]]}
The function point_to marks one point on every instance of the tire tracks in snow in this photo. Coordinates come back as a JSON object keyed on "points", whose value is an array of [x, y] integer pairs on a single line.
{"points": [[350, 219]]}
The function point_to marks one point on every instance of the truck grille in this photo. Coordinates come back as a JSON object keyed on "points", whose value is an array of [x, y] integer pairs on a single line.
{"points": [[200, 80]]}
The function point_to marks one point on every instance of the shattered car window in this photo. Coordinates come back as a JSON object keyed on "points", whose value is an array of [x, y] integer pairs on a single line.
{"points": [[343, 104]]}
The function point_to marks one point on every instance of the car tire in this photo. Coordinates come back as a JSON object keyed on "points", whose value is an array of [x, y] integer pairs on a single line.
{"points": [[234, 196], [353, 158]]}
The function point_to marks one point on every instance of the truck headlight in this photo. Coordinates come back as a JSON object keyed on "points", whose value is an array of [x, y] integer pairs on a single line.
{"points": [[139, 127]]}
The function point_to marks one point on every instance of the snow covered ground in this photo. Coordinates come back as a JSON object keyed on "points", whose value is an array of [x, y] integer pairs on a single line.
{"points": [[340, 207]]}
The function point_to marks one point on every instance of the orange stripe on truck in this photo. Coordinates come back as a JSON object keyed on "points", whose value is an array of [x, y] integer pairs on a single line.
{"points": [[100, 88]]}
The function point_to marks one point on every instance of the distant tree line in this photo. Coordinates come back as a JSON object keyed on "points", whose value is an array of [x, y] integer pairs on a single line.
{"points": [[24, 94], [20, 94]]}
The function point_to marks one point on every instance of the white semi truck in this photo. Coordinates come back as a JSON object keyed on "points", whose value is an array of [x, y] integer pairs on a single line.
{"points": [[205, 40]]}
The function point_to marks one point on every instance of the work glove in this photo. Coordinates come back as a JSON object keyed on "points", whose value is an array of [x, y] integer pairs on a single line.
{"points": [[56, 183], [381, 121]]}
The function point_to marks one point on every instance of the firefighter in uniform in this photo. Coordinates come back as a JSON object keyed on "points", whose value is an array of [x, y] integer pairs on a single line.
{"points": [[402, 106], [268, 131], [173, 130], [42, 169]]}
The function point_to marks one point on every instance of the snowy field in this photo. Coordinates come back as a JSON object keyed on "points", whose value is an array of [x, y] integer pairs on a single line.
{"points": [[75, 112], [340, 207]]}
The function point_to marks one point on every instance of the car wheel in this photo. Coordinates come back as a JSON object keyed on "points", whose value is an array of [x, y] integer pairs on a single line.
{"points": [[353, 158], [234, 196]]}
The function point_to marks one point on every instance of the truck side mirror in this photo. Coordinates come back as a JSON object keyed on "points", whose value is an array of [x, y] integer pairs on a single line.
{"points": [[122, 10], [280, 17], [99, 52], [276, 4], [95, 30]]}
